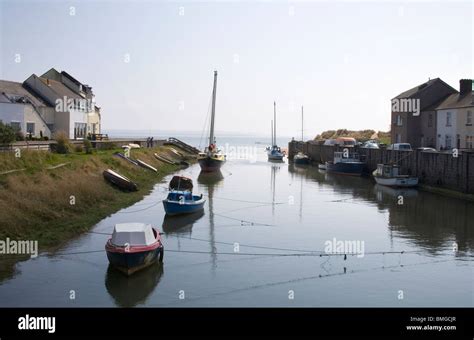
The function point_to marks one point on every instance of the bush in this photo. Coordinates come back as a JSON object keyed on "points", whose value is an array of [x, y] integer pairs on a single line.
{"points": [[88, 146], [19, 136], [7, 134], [62, 142], [78, 148]]}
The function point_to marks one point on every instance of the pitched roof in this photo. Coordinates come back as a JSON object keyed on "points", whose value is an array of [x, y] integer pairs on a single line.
{"points": [[456, 101], [60, 89], [414, 92], [13, 92]]}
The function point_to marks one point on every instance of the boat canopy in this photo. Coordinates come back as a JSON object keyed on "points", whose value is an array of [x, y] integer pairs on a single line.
{"points": [[181, 183], [133, 234]]}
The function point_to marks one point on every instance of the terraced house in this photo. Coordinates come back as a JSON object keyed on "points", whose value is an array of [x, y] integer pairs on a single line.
{"points": [[455, 119], [52, 102]]}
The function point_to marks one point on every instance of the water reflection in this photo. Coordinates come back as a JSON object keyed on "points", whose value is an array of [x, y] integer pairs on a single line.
{"points": [[129, 291], [431, 221], [181, 224], [211, 180]]}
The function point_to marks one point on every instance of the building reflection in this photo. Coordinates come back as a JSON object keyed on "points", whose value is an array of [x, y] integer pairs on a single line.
{"points": [[430, 221]]}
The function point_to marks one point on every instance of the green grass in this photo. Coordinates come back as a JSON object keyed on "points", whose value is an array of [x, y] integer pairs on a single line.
{"points": [[35, 203]]}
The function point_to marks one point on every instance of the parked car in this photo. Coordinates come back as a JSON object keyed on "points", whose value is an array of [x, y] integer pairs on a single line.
{"points": [[400, 147], [330, 142], [346, 141], [370, 144], [423, 149]]}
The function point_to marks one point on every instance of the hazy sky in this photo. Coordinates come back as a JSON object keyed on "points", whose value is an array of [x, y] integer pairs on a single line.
{"points": [[343, 61]]}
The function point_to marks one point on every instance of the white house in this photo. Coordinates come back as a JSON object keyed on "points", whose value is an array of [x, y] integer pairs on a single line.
{"points": [[53, 102], [21, 109], [455, 119]]}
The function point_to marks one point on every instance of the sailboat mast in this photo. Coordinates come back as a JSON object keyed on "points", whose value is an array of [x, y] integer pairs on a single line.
{"points": [[272, 130], [274, 123], [302, 138], [213, 112]]}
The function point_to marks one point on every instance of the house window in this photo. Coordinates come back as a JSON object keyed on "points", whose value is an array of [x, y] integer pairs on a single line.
{"points": [[398, 138], [30, 128], [15, 126], [447, 142], [448, 118], [430, 120], [80, 130], [399, 120], [458, 141], [469, 118], [469, 142]]}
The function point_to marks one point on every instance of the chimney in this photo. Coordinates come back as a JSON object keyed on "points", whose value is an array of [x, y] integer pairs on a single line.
{"points": [[465, 86], [47, 81]]}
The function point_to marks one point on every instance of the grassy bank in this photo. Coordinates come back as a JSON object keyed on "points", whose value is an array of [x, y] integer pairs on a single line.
{"points": [[35, 203]]}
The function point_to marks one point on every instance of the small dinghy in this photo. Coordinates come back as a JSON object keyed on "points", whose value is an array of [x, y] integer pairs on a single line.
{"points": [[120, 181], [322, 166], [388, 175], [146, 165], [121, 155], [180, 198], [134, 246], [163, 159], [301, 159]]}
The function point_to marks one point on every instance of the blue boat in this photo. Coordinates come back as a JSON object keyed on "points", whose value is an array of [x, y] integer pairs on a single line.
{"points": [[349, 165], [180, 199]]}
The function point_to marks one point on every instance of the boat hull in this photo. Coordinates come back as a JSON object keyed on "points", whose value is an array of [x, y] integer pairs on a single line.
{"points": [[209, 164], [402, 182], [129, 263], [346, 168], [173, 208], [119, 181], [301, 160]]}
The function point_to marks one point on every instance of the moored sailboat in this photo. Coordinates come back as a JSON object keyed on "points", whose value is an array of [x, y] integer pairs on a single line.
{"points": [[212, 158], [274, 152], [300, 157]]}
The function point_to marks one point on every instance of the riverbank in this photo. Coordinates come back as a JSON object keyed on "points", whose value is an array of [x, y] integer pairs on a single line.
{"points": [[55, 197]]}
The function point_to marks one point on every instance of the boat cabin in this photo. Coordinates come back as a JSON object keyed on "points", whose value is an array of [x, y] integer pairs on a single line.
{"points": [[181, 183], [339, 157], [133, 234], [388, 170]]}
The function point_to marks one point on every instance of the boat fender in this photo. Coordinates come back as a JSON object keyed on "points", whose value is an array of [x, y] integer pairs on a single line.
{"points": [[162, 253]]}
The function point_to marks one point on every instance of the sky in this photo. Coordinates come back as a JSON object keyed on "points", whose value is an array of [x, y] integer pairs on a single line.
{"points": [[151, 63]]}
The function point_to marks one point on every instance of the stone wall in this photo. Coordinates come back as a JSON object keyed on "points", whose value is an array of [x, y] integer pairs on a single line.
{"points": [[432, 168]]}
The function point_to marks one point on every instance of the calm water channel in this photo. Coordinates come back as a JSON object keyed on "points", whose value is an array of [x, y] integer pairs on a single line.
{"points": [[277, 210]]}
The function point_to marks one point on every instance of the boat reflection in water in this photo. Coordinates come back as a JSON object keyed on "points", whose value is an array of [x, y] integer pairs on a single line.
{"points": [[210, 181], [132, 290], [181, 224]]}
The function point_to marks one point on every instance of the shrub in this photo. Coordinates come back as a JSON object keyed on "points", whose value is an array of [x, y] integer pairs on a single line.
{"points": [[7, 134], [88, 146], [62, 142], [78, 148], [19, 136]]}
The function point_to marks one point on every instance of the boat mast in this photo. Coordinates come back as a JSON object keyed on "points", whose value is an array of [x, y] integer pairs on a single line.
{"points": [[274, 124], [213, 112], [272, 130], [302, 138]]}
